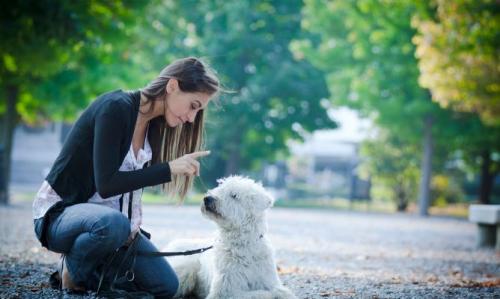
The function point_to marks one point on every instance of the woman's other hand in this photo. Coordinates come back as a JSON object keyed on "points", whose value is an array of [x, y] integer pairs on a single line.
{"points": [[187, 164]]}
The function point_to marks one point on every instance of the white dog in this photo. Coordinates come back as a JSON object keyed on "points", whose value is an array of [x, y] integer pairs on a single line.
{"points": [[241, 264]]}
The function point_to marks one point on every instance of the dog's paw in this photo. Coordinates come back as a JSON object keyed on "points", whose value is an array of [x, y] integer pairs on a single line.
{"points": [[283, 293]]}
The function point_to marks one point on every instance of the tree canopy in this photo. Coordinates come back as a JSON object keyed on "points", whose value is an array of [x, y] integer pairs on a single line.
{"points": [[458, 47]]}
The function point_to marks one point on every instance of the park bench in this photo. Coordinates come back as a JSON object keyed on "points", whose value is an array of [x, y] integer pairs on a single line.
{"points": [[487, 218]]}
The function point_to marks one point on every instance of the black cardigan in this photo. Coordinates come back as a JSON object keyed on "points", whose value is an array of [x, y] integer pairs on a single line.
{"points": [[94, 151]]}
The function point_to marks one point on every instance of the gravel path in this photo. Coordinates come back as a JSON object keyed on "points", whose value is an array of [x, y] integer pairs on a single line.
{"points": [[320, 254]]}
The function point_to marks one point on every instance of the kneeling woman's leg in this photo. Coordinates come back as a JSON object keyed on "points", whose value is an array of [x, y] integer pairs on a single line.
{"points": [[87, 233], [154, 274]]}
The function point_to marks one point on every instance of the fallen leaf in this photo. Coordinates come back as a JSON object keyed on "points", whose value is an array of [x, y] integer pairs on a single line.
{"points": [[432, 278], [467, 283], [288, 270]]}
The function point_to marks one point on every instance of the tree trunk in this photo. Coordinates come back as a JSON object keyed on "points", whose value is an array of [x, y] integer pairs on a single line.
{"points": [[426, 169], [487, 177], [10, 121], [402, 201]]}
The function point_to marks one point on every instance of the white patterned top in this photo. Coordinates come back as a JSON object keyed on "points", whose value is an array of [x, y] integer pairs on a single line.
{"points": [[46, 196]]}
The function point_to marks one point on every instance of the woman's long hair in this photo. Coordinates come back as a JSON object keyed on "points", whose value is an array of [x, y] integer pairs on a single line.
{"points": [[168, 143]]}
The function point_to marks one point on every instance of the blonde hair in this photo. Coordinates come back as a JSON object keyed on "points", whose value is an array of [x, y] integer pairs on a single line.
{"points": [[168, 143]]}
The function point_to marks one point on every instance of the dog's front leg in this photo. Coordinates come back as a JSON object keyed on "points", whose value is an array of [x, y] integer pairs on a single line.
{"points": [[219, 288], [243, 295], [263, 294], [229, 287], [222, 288]]}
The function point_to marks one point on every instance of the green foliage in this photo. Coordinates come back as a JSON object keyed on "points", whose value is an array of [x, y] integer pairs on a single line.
{"points": [[458, 51], [446, 189], [58, 53], [392, 164], [248, 43], [366, 48], [281, 59], [61, 55], [470, 137]]}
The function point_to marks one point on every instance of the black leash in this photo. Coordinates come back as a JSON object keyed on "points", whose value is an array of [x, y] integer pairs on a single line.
{"points": [[131, 251], [173, 253], [109, 291]]}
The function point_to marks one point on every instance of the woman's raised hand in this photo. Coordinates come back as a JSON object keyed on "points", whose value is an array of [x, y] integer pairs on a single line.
{"points": [[187, 164]]}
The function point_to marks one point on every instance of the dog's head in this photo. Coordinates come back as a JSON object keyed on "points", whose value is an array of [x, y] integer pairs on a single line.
{"points": [[235, 201]]}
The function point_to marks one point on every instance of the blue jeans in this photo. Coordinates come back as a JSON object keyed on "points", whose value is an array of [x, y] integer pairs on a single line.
{"points": [[89, 234]]}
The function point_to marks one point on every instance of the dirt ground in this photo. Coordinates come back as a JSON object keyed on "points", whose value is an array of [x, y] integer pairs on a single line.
{"points": [[320, 253]]}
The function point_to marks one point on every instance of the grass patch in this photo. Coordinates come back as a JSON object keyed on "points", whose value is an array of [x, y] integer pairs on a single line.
{"points": [[161, 198], [22, 196], [194, 199], [460, 210]]}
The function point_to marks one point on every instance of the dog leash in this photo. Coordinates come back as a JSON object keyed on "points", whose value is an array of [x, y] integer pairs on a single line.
{"points": [[173, 253], [131, 251]]}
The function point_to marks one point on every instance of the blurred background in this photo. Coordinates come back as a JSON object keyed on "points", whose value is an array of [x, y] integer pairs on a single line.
{"points": [[372, 105]]}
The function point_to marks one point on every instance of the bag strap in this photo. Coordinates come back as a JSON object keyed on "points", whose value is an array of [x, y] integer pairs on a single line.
{"points": [[121, 203], [130, 199]]}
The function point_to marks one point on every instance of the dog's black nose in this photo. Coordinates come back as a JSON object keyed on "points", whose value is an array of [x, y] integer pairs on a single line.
{"points": [[208, 200]]}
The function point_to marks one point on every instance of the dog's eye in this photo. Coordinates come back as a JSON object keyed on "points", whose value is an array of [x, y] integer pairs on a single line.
{"points": [[233, 195]]}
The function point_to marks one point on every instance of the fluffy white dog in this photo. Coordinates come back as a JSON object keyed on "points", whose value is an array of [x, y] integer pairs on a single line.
{"points": [[241, 264]]}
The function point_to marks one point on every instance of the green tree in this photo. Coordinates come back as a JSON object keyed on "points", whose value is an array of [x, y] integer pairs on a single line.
{"points": [[458, 50], [392, 165], [366, 48], [53, 51], [478, 146], [248, 43], [458, 47]]}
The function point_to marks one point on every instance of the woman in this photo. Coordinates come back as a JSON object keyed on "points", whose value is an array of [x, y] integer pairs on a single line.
{"points": [[90, 203]]}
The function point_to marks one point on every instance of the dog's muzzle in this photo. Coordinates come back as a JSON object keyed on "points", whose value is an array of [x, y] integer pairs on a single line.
{"points": [[209, 202]]}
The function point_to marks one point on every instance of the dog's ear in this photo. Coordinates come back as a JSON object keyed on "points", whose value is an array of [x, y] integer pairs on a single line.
{"points": [[268, 196], [271, 201], [268, 200]]}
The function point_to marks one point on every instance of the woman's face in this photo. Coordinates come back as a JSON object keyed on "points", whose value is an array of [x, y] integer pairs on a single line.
{"points": [[181, 107]]}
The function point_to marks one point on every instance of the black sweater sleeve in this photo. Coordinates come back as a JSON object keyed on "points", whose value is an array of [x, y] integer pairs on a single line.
{"points": [[110, 128]]}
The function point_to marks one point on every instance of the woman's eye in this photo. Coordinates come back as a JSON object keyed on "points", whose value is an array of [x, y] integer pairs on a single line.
{"points": [[193, 107]]}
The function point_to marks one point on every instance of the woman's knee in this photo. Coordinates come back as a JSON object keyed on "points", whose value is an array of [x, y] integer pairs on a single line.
{"points": [[170, 288], [113, 227]]}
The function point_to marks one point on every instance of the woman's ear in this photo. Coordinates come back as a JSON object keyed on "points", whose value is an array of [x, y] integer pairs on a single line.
{"points": [[172, 85]]}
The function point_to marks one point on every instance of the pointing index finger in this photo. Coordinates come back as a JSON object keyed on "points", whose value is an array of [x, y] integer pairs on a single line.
{"points": [[199, 154]]}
